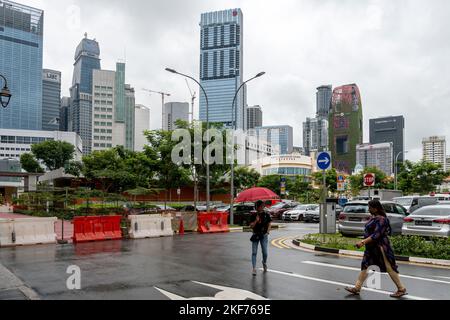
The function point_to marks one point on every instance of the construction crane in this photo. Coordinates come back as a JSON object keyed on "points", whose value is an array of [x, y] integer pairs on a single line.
{"points": [[193, 97], [163, 95]]}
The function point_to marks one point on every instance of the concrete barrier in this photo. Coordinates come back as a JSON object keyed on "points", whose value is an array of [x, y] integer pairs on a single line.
{"points": [[27, 231], [150, 226]]}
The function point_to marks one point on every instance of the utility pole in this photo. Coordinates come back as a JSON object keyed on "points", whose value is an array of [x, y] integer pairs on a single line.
{"points": [[163, 95]]}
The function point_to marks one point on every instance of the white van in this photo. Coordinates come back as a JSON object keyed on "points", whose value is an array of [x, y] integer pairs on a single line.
{"points": [[412, 203]]}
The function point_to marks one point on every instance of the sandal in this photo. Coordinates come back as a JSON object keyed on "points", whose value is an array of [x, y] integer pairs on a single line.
{"points": [[353, 291], [399, 294]]}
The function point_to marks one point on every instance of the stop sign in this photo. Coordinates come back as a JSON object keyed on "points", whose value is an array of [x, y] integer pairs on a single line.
{"points": [[369, 180]]}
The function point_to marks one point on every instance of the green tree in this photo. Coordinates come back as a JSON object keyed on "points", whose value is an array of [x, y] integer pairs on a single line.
{"points": [[420, 177], [331, 179], [74, 168], [30, 164], [272, 182], [381, 180], [54, 154], [245, 177]]}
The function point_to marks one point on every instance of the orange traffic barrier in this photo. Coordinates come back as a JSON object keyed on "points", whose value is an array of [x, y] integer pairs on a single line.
{"points": [[181, 232], [213, 222], [95, 228]]}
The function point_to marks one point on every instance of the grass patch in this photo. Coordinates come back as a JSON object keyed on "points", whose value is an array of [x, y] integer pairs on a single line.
{"points": [[408, 246]]}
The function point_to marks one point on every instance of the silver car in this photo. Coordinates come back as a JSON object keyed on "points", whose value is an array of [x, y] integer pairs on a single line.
{"points": [[353, 219], [430, 221]]}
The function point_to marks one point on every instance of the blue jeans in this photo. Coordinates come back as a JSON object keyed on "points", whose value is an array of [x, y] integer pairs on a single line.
{"points": [[264, 243]]}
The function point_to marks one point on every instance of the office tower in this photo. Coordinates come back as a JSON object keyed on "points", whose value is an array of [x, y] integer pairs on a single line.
{"points": [[221, 67], [21, 40], [323, 101], [378, 155], [345, 127], [51, 99], [64, 114], [315, 135], [113, 110], [280, 137], [87, 59], [254, 117], [447, 161], [141, 124], [389, 129], [174, 111], [434, 150]]}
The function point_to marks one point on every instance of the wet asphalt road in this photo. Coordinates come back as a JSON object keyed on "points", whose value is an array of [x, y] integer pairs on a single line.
{"points": [[170, 268]]}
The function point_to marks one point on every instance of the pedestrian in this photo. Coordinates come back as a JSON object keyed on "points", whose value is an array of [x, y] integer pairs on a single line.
{"points": [[378, 250], [260, 222]]}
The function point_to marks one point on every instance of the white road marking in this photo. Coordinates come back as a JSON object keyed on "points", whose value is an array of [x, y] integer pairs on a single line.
{"points": [[441, 277], [329, 265], [341, 284]]}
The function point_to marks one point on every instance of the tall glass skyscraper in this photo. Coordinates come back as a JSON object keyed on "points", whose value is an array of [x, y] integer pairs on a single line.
{"points": [[21, 39], [221, 67], [87, 59], [51, 99]]}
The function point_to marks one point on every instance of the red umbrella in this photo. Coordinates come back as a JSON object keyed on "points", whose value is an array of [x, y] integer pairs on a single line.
{"points": [[255, 194]]}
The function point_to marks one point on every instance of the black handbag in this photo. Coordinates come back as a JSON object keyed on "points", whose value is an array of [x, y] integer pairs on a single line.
{"points": [[255, 237]]}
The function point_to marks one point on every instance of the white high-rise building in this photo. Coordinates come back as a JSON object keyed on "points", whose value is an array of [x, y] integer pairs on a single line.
{"points": [[434, 150], [142, 123], [174, 111], [378, 155]]}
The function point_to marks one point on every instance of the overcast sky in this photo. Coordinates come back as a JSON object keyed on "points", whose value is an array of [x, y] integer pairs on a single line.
{"points": [[397, 52]]}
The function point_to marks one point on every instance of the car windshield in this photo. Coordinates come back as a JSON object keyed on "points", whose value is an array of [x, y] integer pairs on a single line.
{"points": [[435, 211], [356, 208], [301, 207], [406, 202]]}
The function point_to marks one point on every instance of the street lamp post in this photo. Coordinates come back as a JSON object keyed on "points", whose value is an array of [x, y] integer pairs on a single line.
{"points": [[207, 127], [395, 168], [234, 121], [5, 94]]}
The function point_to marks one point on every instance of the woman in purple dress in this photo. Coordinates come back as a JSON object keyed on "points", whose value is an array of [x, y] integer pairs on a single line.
{"points": [[378, 250]]}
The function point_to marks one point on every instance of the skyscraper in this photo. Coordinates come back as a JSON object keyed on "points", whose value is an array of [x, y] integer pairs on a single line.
{"points": [[378, 155], [315, 135], [21, 40], [87, 59], [280, 137], [221, 67], [389, 129], [142, 124], [435, 150], [174, 111], [51, 99], [345, 127], [64, 114], [130, 109], [254, 117], [323, 101]]}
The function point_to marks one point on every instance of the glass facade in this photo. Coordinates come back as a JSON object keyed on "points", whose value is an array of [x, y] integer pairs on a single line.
{"points": [[290, 171], [130, 103], [278, 136], [87, 59], [51, 99], [221, 67], [21, 39]]}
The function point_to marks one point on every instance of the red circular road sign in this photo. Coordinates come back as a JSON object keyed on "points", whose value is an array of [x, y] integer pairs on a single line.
{"points": [[369, 180]]}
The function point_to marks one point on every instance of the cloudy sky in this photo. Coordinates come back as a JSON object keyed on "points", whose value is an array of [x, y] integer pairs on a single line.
{"points": [[398, 52]]}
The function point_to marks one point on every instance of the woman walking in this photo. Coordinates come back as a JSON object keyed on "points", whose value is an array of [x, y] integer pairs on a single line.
{"points": [[260, 223], [378, 250]]}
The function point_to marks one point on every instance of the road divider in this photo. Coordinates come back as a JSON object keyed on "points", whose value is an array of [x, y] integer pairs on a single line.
{"points": [[96, 228], [27, 231], [213, 222], [150, 226]]}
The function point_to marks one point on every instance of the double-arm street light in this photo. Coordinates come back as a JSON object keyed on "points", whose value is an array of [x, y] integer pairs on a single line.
{"points": [[395, 168], [5, 94], [234, 121], [207, 127]]}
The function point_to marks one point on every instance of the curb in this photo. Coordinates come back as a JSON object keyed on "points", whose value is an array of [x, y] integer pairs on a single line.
{"points": [[435, 262], [237, 229]]}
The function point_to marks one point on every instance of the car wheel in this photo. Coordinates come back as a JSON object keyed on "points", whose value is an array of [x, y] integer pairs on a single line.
{"points": [[301, 218]]}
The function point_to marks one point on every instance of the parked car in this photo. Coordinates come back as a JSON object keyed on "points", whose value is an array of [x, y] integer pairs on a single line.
{"points": [[339, 210], [277, 210], [242, 213], [299, 212], [191, 208], [356, 214], [429, 221], [161, 207], [313, 214], [223, 208], [412, 203]]}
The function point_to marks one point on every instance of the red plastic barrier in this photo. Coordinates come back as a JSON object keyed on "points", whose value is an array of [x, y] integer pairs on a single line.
{"points": [[213, 222], [96, 228]]}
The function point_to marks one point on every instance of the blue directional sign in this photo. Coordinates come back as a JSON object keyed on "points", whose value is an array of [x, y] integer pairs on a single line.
{"points": [[324, 160]]}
